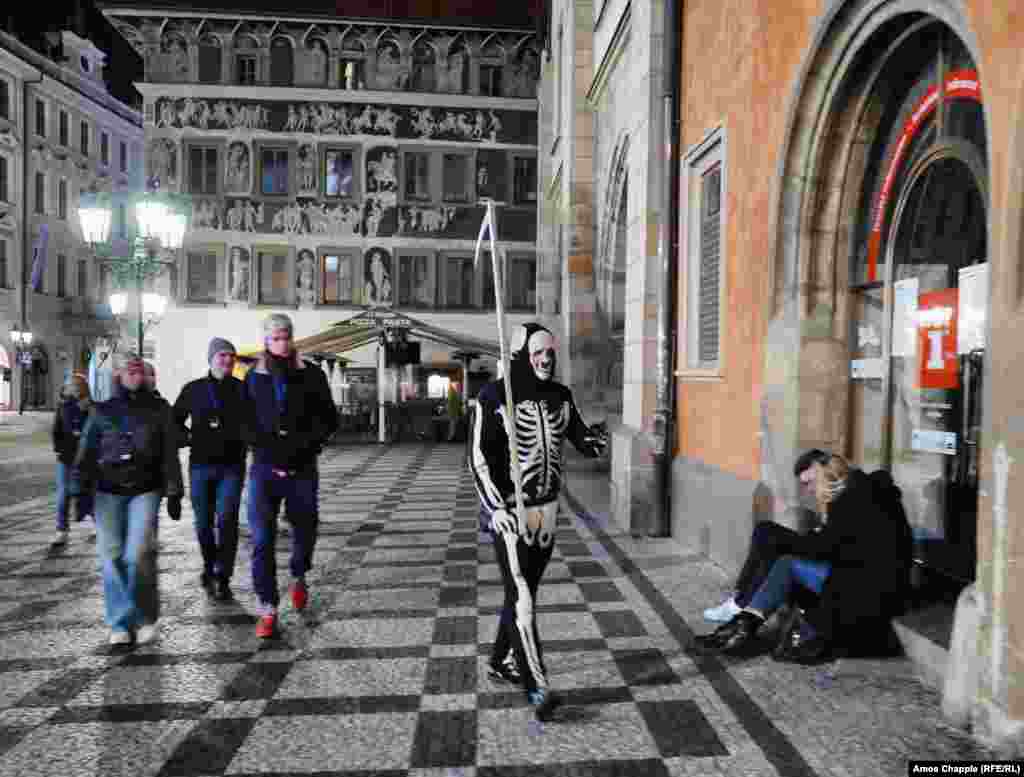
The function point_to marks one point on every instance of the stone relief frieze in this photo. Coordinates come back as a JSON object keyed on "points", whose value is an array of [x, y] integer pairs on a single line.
{"points": [[205, 214], [243, 215], [238, 170], [8, 219], [347, 119], [289, 219], [424, 220], [162, 162], [339, 220]]}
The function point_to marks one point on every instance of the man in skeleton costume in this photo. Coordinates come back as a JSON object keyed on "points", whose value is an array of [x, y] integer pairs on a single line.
{"points": [[545, 415]]}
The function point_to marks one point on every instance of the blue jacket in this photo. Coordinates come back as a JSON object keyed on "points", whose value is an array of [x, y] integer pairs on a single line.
{"points": [[288, 417], [68, 424]]}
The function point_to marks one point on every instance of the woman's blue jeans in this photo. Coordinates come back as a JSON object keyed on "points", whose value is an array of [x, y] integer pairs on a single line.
{"points": [[85, 500], [126, 534], [785, 572]]}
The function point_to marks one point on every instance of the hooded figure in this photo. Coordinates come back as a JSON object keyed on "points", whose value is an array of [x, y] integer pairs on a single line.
{"points": [[545, 416]]}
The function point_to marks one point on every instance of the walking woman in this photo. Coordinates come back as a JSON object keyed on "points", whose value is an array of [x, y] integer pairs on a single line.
{"points": [[68, 423]]}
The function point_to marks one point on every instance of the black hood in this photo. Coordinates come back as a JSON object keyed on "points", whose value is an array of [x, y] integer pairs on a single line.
{"points": [[524, 381]]}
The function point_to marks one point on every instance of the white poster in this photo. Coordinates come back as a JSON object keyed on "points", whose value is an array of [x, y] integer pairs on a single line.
{"points": [[933, 441], [973, 309], [866, 369], [904, 317]]}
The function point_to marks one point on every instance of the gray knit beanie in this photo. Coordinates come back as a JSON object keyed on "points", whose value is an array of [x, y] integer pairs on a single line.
{"points": [[217, 345], [277, 321]]}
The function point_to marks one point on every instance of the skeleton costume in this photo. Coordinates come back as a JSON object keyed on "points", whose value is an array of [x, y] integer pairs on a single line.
{"points": [[545, 416]]}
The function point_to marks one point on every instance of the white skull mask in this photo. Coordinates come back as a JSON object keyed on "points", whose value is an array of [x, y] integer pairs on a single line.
{"points": [[541, 348]]}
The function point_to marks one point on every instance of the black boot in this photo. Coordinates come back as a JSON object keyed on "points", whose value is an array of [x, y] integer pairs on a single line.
{"points": [[223, 590], [731, 636]]}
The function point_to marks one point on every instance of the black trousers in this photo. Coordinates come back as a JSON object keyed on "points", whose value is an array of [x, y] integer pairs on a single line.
{"points": [[522, 567], [768, 542]]}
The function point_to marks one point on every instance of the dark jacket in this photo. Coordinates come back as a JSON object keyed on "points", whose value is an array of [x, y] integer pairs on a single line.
{"points": [[68, 424], [867, 546], [215, 408], [289, 433], [546, 416], [130, 446]]}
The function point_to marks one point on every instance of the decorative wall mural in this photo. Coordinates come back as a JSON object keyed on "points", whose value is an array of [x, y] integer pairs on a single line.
{"points": [[340, 220], [419, 219], [239, 275], [307, 170], [238, 168], [347, 119], [162, 161], [377, 277], [305, 270], [288, 219], [205, 214], [243, 215]]}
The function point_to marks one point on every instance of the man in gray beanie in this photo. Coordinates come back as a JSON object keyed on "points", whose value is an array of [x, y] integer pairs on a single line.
{"points": [[212, 407]]}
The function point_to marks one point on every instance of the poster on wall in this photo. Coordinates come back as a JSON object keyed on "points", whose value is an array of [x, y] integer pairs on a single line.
{"points": [[936, 322], [972, 314], [904, 317]]}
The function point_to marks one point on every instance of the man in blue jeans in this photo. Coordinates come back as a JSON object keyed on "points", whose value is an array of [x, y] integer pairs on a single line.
{"points": [[289, 417], [68, 424], [213, 407], [129, 449]]}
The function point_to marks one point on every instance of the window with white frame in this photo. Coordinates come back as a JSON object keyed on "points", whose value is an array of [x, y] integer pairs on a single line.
{"points": [[274, 170], [416, 278], [521, 282], [82, 276], [62, 199], [456, 177], [62, 275], [62, 128], [524, 180], [5, 99], [84, 135], [105, 148], [124, 157], [201, 285], [4, 180], [416, 172], [274, 286], [458, 284], [339, 173], [40, 193], [5, 279], [704, 174], [40, 118], [245, 69]]}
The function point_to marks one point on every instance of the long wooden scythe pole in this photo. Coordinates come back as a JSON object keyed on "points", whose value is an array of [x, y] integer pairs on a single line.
{"points": [[490, 225]]}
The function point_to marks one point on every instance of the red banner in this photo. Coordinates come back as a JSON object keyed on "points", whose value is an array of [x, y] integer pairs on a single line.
{"points": [[936, 339], [960, 85]]}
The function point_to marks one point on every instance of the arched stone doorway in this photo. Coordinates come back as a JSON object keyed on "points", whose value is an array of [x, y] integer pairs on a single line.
{"points": [[888, 106]]}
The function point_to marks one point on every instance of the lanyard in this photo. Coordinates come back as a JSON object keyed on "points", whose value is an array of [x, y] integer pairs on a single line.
{"points": [[214, 399]]}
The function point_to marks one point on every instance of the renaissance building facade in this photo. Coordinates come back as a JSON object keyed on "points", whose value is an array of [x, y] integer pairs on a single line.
{"points": [[335, 165]]}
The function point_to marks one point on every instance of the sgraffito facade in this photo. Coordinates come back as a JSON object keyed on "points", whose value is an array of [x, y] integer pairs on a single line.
{"points": [[333, 165]]}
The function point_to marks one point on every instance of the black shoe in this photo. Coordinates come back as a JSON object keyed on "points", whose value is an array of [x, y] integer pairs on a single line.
{"points": [[730, 637], [504, 673], [207, 582], [544, 703], [797, 650], [223, 592]]}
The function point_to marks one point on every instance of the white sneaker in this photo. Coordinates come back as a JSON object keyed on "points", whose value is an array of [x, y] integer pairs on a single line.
{"points": [[724, 612], [120, 638], [146, 633], [60, 539]]}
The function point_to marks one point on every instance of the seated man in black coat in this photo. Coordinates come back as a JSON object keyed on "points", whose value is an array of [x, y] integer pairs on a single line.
{"points": [[858, 563]]}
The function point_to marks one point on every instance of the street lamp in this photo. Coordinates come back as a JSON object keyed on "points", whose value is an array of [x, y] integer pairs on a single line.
{"points": [[160, 223], [22, 339]]}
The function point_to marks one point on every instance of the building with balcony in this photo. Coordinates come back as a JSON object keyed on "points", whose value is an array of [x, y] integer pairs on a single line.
{"points": [[60, 131], [334, 165]]}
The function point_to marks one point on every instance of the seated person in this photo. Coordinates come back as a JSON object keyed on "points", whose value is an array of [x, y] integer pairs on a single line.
{"points": [[770, 540], [857, 563]]}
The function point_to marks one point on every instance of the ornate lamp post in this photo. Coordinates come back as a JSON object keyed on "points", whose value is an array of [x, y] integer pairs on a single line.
{"points": [[160, 223], [22, 339]]}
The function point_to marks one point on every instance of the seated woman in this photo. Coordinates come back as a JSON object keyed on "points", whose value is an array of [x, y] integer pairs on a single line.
{"points": [[770, 540], [857, 563]]}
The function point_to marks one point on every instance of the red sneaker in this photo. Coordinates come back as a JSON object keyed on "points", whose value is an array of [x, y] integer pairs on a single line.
{"points": [[266, 626], [300, 595]]}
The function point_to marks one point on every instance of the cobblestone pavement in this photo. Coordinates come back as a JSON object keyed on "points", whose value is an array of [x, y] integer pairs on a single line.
{"points": [[383, 675]]}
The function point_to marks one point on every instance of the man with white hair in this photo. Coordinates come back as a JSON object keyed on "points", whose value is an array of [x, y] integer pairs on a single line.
{"points": [[129, 449], [289, 417]]}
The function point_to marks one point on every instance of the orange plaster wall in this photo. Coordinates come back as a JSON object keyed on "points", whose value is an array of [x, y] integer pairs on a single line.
{"points": [[741, 59]]}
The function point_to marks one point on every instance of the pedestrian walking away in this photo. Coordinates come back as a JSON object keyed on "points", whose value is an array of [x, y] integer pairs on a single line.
{"points": [[545, 416], [68, 424], [289, 417], [129, 449], [208, 414]]}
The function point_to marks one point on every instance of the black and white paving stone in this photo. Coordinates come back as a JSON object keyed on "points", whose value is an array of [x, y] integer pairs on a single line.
{"points": [[384, 674]]}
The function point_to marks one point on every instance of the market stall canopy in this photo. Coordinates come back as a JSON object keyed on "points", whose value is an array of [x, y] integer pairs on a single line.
{"points": [[365, 328]]}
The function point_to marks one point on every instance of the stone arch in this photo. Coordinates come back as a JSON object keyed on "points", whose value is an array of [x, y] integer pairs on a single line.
{"points": [[282, 60], [424, 65], [834, 115], [458, 62], [318, 55], [492, 48], [210, 58]]}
